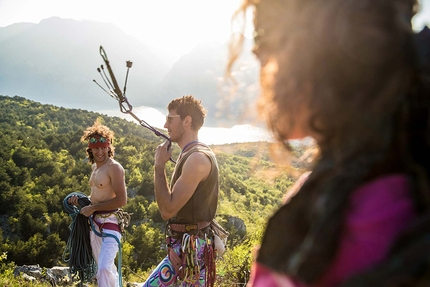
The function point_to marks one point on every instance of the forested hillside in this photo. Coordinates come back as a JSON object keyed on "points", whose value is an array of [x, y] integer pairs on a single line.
{"points": [[42, 160]]}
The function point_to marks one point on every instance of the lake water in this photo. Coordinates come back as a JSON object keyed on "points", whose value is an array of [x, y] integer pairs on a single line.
{"points": [[208, 135]]}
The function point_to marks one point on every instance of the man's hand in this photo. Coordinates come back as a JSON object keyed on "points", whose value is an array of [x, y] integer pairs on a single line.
{"points": [[87, 210], [162, 155], [73, 200]]}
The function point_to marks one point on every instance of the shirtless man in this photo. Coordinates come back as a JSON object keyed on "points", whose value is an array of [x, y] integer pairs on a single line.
{"points": [[108, 194]]}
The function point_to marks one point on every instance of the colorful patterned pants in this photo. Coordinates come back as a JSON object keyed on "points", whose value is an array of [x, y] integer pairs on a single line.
{"points": [[164, 274]]}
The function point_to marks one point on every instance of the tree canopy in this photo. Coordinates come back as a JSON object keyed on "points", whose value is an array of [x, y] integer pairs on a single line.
{"points": [[42, 161]]}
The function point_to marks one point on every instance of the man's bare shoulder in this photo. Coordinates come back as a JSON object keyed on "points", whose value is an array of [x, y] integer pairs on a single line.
{"points": [[199, 163], [113, 164], [198, 157]]}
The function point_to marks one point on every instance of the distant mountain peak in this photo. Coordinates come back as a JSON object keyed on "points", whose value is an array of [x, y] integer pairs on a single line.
{"points": [[56, 60]]}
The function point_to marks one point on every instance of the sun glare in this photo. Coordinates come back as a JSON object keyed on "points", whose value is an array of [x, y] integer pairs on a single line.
{"points": [[173, 26]]}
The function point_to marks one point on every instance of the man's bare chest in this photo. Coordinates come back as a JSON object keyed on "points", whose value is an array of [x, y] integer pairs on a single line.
{"points": [[100, 178]]}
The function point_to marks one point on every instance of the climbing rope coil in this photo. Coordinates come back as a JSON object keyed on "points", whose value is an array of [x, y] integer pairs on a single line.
{"points": [[81, 261], [78, 253]]}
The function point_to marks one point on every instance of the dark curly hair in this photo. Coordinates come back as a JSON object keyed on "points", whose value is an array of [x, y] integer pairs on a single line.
{"points": [[353, 65], [97, 129]]}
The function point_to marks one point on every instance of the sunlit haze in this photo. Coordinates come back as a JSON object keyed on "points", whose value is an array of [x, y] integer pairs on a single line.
{"points": [[208, 135], [157, 23], [170, 27]]}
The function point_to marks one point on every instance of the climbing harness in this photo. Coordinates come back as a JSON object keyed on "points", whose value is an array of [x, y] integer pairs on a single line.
{"points": [[115, 92], [81, 260], [122, 217], [196, 252], [101, 234]]}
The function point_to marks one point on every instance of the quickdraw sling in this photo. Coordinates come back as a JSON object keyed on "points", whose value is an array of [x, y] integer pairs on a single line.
{"points": [[115, 92], [193, 238]]}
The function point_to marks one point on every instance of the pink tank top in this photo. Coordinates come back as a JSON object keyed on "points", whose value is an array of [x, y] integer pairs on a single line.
{"points": [[379, 211]]}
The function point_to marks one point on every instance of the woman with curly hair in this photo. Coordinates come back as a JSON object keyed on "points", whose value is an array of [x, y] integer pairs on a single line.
{"points": [[348, 74]]}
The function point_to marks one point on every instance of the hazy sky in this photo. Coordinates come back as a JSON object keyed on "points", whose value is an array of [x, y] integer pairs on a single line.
{"points": [[157, 22]]}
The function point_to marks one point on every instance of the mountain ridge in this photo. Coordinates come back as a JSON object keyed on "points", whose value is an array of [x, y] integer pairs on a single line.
{"points": [[55, 61]]}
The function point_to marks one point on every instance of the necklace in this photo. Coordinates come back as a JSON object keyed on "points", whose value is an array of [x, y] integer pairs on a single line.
{"points": [[185, 148], [187, 145]]}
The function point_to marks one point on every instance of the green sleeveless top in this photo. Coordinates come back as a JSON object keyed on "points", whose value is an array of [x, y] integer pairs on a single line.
{"points": [[203, 203]]}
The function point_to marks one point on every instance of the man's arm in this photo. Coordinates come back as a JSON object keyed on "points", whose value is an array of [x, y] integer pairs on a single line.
{"points": [[195, 169]]}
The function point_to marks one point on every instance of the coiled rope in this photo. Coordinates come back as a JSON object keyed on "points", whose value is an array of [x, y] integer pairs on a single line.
{"points": [[78, 247], [81, 260]]}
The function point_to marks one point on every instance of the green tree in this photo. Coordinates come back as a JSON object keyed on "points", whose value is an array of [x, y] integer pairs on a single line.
{"points": [[148, 245]]}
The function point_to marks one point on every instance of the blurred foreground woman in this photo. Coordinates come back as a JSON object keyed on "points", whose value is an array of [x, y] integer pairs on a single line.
{"points": [[349, 74]]}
